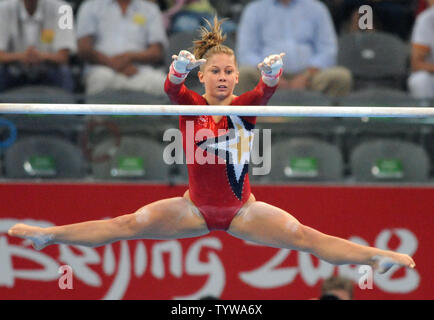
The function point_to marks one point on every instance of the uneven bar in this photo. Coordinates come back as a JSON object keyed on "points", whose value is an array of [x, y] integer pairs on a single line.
{"points": [[264, 111]]}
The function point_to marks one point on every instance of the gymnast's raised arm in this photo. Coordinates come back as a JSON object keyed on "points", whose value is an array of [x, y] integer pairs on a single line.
{"points": [[181, 66]]}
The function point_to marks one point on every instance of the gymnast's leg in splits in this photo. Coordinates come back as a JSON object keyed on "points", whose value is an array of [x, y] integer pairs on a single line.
{"points": [[173, 218], [268, 225], [177, 218]]}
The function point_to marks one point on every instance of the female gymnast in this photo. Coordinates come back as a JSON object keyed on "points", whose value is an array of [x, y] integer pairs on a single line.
{"points": [[219, 196]]}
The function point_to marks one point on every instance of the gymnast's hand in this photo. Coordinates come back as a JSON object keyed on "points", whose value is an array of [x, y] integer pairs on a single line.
{"points": [[271, 68], [185, 61]]}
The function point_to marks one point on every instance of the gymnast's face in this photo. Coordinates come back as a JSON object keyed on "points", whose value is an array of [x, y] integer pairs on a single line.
{"points": [[220, 75]]}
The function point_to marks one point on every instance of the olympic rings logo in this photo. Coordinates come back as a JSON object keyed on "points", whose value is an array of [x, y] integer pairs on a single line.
{"points": [[12, 133]]}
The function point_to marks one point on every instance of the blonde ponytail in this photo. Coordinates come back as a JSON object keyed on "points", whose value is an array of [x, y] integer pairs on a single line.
{"points": [[211, 41]]}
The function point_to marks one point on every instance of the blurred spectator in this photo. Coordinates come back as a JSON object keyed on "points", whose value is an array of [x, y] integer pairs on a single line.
{"points": [[123, 41], [393, 16], [33, 48], [422, 5], [188, 15], [162, 4], [302, 29], [337, 288], [421, 80]]}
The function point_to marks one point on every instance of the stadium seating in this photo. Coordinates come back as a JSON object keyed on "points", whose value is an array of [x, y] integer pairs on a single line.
{"points": [[299, 98], [389, 160], [37, 94], [305, 159], [374, 58], [135, 157], [43, 156]]}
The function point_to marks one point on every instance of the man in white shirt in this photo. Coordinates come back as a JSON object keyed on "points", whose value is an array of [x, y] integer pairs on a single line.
{"points": [[421, 80], [122, 41], [304, 31], [34, 49]]}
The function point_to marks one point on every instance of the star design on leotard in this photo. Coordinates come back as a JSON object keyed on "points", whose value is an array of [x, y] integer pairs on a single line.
{"points": [[234, 147]]}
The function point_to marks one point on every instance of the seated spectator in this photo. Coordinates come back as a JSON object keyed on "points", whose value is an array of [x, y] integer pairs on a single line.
{"points": [[189, 15], [34, 50], [122, 41], [421, 80], [337, 288], [304, 31]]}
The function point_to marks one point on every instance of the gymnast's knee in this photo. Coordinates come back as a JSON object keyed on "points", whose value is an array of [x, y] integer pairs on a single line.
{"points": [[299, 236], [130, 225]]}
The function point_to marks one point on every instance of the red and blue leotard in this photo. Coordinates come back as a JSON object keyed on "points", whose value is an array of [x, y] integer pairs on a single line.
{"points": [[218, 188]]}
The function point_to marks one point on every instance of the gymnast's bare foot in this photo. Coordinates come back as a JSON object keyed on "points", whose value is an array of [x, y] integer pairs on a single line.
{"points": [[39, 236], [383, 263]]}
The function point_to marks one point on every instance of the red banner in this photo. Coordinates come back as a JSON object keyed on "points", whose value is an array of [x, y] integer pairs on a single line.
{"points": [[398, 218]]}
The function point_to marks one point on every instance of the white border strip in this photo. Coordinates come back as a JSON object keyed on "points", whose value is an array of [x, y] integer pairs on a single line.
{"points": [[263, 111]]}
